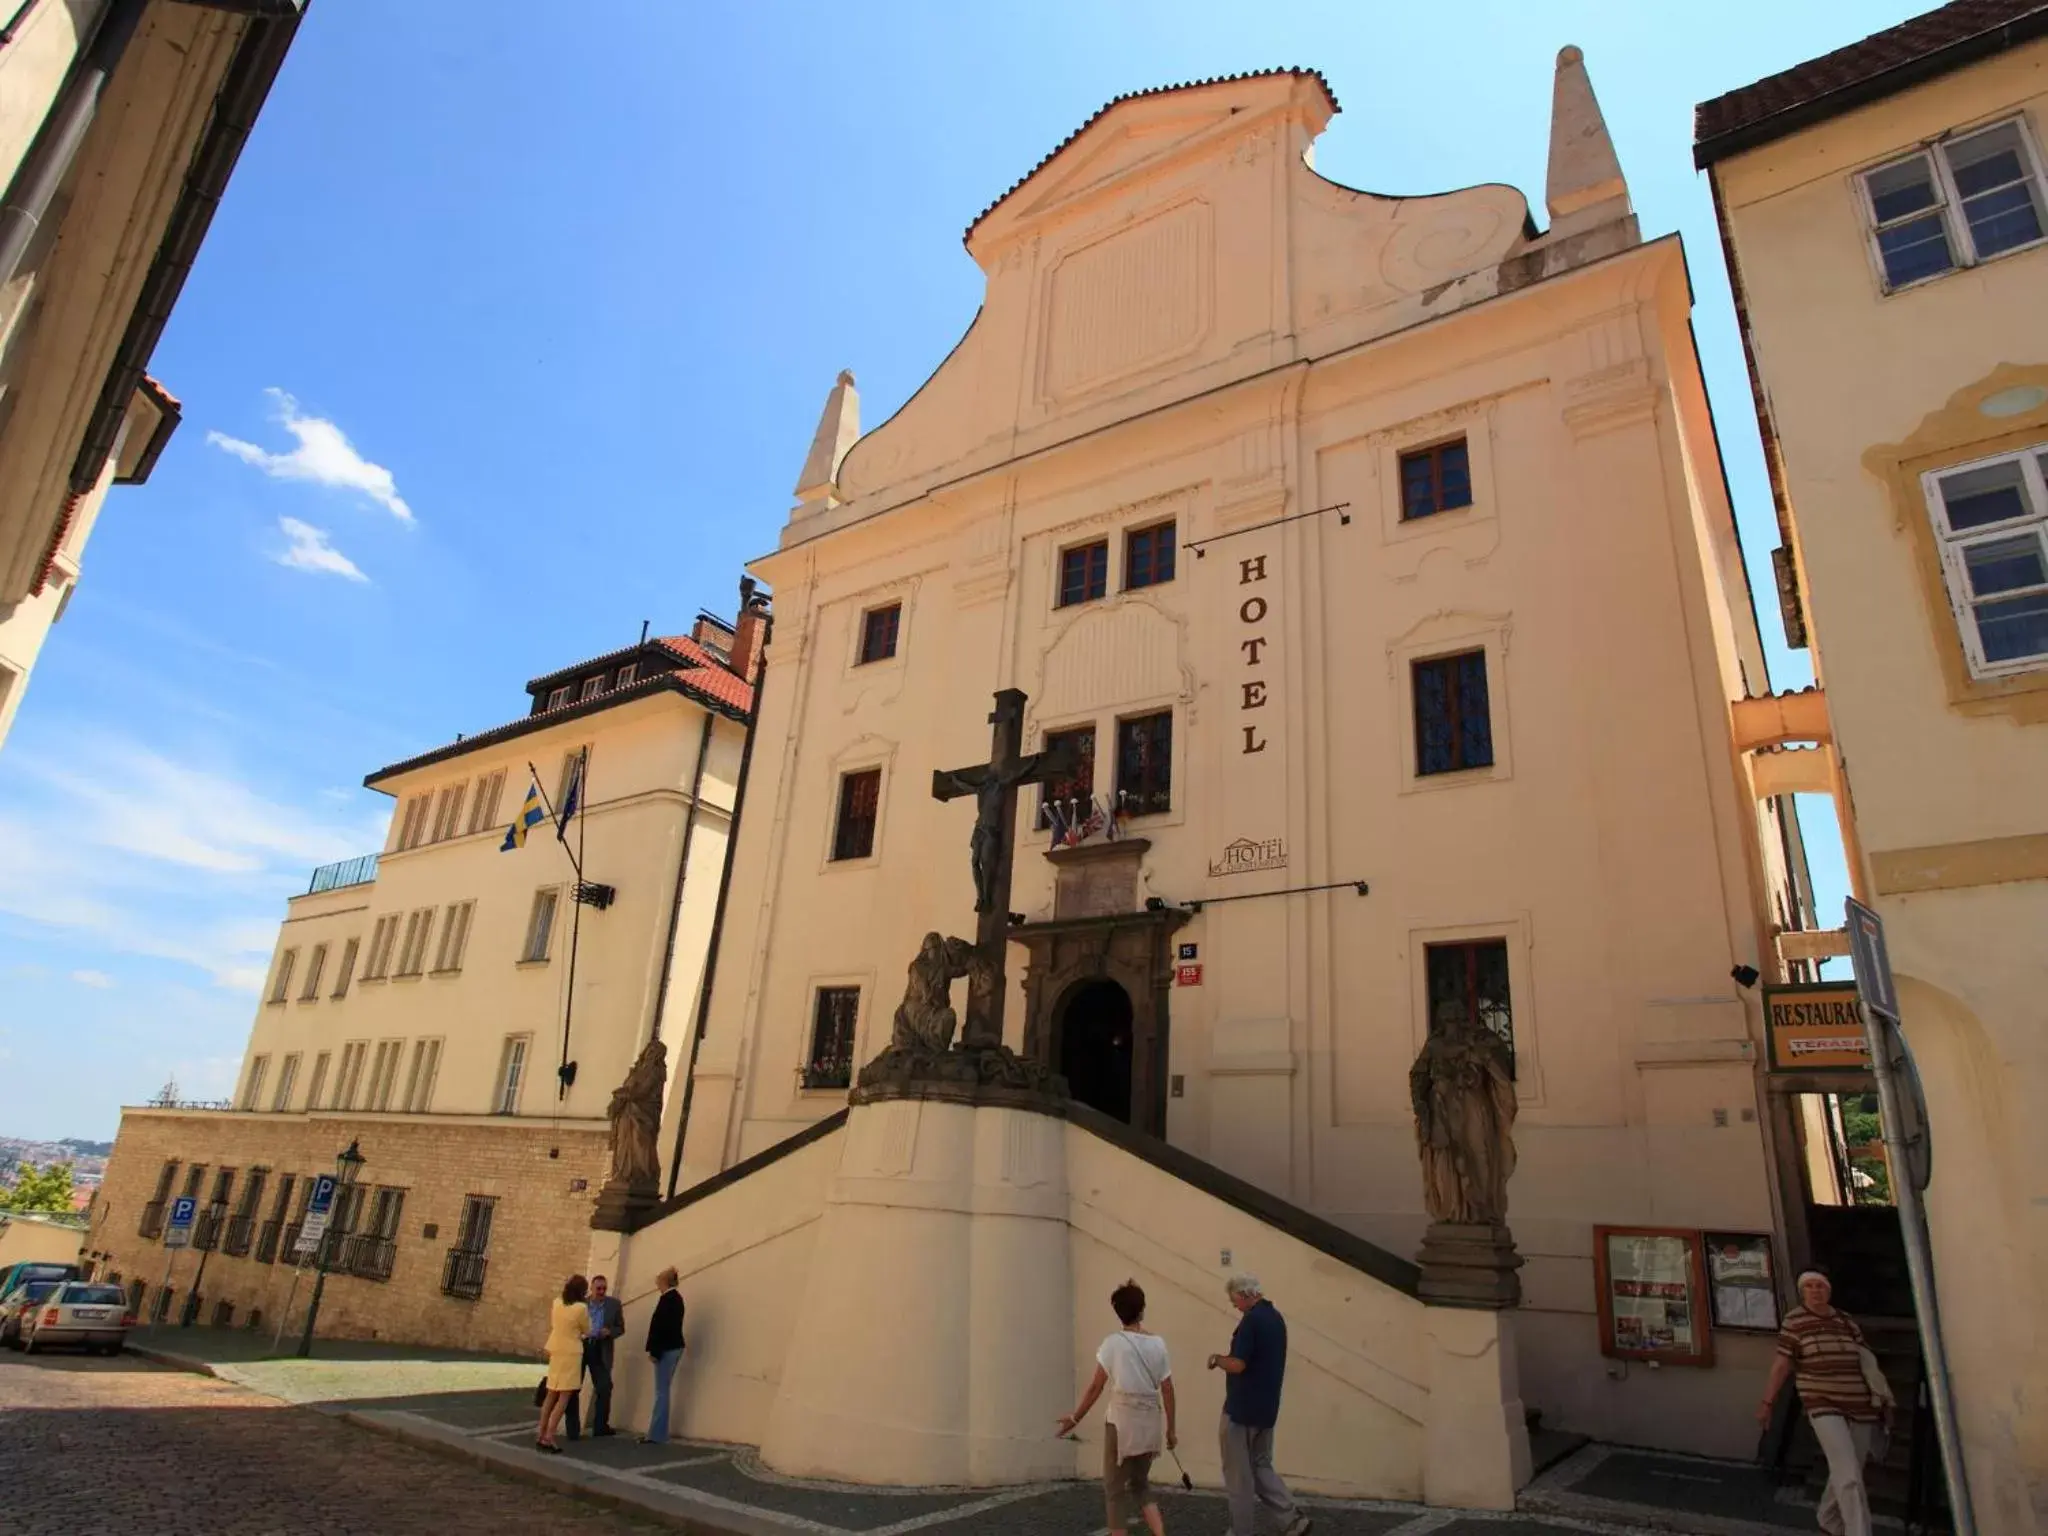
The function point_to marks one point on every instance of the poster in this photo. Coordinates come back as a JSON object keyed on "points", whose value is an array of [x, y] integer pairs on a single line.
{"points": [[1740, 1278], [1651, 1294]]}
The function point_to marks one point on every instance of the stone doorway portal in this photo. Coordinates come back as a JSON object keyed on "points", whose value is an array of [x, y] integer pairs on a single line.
{"points": [[1093, 1041]]}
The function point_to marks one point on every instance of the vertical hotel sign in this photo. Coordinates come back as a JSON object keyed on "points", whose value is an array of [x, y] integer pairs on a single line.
{"points": [[1815, 1029]]}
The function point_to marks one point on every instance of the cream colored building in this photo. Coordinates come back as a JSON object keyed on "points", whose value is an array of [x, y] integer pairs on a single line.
{"points": [[1377, 549], [420, 1004], [120, 124], [1886, 219]]}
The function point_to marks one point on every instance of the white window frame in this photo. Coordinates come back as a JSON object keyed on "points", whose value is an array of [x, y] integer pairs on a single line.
{"points": [[350, 1075], [592, 687], [317, 1085], [1962, 243], [483, 806], [448, 810], [377, 964], [412, 826], [557, 697], [454, 938], [629, 674], [412, 952], [1954, 545], [347, 971], [421, 1076], [287, 1080], [384, 1073], [540, 938], [316, 962], [511, 1080], [281, 980], [252, 1085]]}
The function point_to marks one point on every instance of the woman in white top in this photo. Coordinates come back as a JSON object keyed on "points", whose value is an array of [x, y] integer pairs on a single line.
{"points": [[1133, 1365]]}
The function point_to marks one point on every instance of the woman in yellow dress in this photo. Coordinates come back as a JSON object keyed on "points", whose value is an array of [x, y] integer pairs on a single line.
{"points": [[568, 1325]]}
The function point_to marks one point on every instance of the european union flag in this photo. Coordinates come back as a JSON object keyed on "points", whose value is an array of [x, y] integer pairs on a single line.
{"points": [[570, 797], [530, 815]]}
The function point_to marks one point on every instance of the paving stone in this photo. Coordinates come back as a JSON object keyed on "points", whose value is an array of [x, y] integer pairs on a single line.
{"points": [[863, 1511], [1723, 1489]]}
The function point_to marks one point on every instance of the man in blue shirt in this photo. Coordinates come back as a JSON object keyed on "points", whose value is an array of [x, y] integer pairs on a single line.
{"points": [[1251, 1407]]}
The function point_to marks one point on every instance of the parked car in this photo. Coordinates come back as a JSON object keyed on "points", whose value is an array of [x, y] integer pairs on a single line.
{"points": [[15, 1274], [77, 1314], [17, 1301]]}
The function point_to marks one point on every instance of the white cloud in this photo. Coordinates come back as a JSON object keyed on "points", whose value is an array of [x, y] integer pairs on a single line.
{"points": [[98, 979], [324, 456], [309, 550]]}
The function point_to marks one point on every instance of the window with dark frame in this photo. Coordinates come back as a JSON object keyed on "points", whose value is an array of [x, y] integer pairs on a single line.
{"points": [[1468, 983], [1435, 479], [1148, 556], [1084, 573], [1074, 793], [1144, 764], [1453, 724], [878, 631], [860, 802], [832, 1025]]}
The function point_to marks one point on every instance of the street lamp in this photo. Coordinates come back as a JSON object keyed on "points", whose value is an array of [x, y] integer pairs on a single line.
{"points": [[216, 1214], [346, 1166]]}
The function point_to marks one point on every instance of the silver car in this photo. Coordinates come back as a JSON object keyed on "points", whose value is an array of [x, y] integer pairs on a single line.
{"points": [[79, 1314], [15, 1304]]}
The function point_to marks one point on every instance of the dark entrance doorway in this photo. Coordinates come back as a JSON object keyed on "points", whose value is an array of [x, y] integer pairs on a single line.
{"points": [[1095, 1047]]}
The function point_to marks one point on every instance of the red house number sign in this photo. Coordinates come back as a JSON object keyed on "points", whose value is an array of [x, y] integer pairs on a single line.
{"points": [[1189, 975]]}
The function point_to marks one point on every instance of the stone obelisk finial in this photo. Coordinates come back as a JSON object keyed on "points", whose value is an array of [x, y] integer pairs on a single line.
{"points": [[1585, 188], [838, 429]]}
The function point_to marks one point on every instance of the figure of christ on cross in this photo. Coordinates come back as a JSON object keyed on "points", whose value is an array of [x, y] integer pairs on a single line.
{"points": [[992, 847]]}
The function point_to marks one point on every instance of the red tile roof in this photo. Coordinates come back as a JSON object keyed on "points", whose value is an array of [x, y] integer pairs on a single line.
{"points": [[1880, 65], [1157, 90], [708, 672]]}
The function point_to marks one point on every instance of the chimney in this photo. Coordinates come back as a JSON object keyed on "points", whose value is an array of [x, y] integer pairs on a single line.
{"points": [[750, 634]]}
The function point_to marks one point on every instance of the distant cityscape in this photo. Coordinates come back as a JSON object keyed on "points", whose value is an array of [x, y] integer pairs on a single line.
{"points": [[88, 1160]]}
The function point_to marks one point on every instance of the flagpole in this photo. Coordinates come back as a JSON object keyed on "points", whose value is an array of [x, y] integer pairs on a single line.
{"points": [[582, 797]]}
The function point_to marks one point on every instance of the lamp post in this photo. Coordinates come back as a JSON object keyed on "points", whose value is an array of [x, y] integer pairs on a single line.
{"points": [[216, 1213], [346, 1166]]}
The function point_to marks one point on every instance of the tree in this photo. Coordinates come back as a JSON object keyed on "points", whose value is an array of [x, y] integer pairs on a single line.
{"points": [[45, 1190]]}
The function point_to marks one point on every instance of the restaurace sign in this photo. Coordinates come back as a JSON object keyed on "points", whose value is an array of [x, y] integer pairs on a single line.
{"points": [[1815, 1029]]}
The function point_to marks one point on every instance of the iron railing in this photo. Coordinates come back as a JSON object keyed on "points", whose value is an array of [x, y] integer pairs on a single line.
{"points": [[290, 1249], [360, 870], [206, 1232], [369, 1257], [152, 1222], [828, 1072], [462, 1276], [266, 1241], [241, 1229]]}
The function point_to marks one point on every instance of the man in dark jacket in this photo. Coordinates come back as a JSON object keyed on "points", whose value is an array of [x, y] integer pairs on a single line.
{"points": [[607, 1322], [1251, 1407]]}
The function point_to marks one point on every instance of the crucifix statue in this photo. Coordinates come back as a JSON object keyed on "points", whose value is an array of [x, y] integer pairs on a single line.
{"points": [[991, 847]]}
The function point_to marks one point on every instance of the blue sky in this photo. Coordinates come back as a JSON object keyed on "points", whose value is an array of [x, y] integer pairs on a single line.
{"points": [[512, 333]]}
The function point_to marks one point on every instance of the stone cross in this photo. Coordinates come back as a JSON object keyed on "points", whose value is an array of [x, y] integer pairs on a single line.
{"points": [[991, 849]]}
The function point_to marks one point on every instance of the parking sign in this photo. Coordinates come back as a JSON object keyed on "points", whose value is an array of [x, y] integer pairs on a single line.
{"points": [[178, 1232], [318, 1209]]}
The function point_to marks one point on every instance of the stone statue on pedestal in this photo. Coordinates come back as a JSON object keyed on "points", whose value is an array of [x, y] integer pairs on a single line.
{"points": [[634, 1179], [925, 1020], [1462, 1087]]}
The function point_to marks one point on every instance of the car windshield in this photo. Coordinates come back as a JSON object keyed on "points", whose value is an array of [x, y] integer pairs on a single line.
{"points": [[94, 1296], [33, 1292]]}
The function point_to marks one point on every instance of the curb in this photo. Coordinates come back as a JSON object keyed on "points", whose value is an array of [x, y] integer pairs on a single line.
{"points": [[176, 1362], [678, 1510]]}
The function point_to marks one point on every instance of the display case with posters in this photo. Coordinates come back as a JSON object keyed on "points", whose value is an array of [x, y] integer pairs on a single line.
{"points": [[1742, 1281], [1653, 1295]]}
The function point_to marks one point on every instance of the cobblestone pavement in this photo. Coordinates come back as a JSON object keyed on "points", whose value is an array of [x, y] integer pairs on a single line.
{"points": [[118, 1446]]}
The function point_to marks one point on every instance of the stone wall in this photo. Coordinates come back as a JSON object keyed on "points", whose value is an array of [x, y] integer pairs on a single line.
{"points": [[540, 1231]]}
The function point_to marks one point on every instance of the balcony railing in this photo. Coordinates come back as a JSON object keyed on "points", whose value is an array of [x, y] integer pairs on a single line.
{"points": [[827, 1072], [462, 1276], [266, 1241], [290, 1250], [360, 870], [206, 1232], [240, 1230], [369, 1257], [152, 1223]]}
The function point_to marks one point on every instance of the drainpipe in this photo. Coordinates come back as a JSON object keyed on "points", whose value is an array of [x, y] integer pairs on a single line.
{"points": [[675, 911], [56, 146], [732, 845]]}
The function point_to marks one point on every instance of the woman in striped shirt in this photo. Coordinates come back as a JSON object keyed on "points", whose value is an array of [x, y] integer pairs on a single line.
{"points": [[1822, 1351]]}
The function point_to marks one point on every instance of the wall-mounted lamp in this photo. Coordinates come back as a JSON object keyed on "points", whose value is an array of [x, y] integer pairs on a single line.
{"points": [[1746, 975]]}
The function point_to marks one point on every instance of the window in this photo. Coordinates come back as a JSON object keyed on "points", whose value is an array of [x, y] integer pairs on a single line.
{"points": [[1144, 764], [412, 830], [1991, 521], [373, 1252], [592, 687], [1963, 201], [1084, 572], [1074, 794], [378, 965], [384, 1073], [454, 936], [350, 1077], [832, 1027], [483, 809], [412, 953], [281, 981], [420, 1078], [195, 1176], [571, 761], [511, 1074], [629, 674], [315, 964], [1148, 556], [540, 925], [558, 697], [463, 1273], [879, 628], [287, 1079], [474, 1233], [346, 973], [860, 802], [1453, 729], [448, 810], [252, 1085], [318, 1085], [1436, 479], [1468, 983]]}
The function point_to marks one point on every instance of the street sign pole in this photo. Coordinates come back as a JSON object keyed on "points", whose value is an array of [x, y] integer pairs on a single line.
{"points": [[1879, 993], [177, 1234]]}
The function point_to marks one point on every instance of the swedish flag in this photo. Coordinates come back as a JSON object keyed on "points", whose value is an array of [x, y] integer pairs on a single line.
{"points": [[530, 815]]}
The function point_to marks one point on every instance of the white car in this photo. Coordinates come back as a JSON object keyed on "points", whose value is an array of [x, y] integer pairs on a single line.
{"points": [[80, 1314]]}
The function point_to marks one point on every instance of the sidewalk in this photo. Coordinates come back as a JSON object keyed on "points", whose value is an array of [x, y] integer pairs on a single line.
{"points": [[344, 1371]]}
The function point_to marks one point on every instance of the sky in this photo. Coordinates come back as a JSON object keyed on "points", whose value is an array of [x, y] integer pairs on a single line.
{"points": [[513, 333]]}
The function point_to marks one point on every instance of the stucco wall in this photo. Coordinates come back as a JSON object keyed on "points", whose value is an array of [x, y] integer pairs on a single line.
{"points": [[24, 1240]]}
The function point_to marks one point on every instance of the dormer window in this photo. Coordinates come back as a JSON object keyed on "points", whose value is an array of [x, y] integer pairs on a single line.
{"points": [[629, 674], [559, 697], [592, 687]]}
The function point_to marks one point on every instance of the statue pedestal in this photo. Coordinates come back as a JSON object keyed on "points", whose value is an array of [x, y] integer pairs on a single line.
{"points": [[625, 1207], [1476, 1437], [975, 1075], [1470, 1264]]}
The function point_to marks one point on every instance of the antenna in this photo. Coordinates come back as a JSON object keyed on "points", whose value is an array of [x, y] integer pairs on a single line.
{"points": [[643, 631]]}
